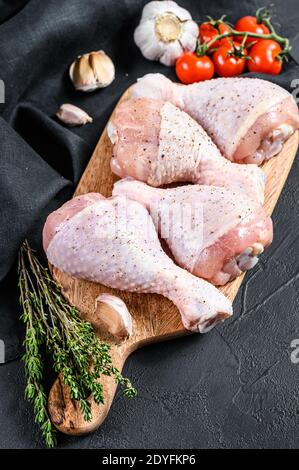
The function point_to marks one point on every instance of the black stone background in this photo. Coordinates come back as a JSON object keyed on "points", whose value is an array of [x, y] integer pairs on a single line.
{"points": [[234, 387]]}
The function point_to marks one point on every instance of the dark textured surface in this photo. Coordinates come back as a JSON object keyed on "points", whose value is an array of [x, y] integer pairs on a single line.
{"points": [[236, 386]]}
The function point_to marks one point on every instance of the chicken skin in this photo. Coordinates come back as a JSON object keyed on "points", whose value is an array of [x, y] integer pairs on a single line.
{"points": [[156, 142], [214, 233], [114, 242], [249, 119]]}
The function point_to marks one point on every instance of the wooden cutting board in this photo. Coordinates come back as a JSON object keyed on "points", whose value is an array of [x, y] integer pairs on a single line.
{"points": [[154, 317]]}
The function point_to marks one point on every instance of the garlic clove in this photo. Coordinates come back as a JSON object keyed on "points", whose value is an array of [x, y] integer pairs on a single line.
{"points": [[114, 315], [190, 31], [171, 50], [145, 39], [103, 68], [72, 115], [92, 71], [82, 74], [155, 8]]}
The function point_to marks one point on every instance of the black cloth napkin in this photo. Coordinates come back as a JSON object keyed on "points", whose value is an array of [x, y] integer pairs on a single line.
{"points": [[40, 160], [235, 387]]}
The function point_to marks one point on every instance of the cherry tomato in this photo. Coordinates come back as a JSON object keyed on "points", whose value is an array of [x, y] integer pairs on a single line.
{"points": [[191, 68], [207, 31], [227, 65], [250, 24], [264, 58]]}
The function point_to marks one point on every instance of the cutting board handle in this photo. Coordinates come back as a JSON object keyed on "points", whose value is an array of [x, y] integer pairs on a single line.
{"points": [[65, 412]]}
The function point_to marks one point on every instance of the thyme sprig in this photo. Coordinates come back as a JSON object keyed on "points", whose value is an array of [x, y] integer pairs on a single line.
{"points": [[53, 325]]}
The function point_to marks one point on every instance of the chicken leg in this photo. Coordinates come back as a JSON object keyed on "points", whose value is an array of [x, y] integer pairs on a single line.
{"points": [[157, 143], [114, 242], [212, 232], [249, 119]]}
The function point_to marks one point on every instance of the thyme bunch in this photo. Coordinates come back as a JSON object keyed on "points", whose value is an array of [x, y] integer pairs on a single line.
{"points": [[53, 325]]}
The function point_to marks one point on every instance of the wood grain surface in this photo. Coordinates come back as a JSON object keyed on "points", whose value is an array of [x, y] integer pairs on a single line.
{"points": [[155, 318]]}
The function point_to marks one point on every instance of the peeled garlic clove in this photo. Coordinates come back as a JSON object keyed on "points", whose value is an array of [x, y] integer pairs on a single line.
{"points": [[91, 71], [72, 115], [114, 315]]}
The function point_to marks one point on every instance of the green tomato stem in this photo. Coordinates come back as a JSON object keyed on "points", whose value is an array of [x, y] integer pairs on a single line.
{"points": [[284, 42]]}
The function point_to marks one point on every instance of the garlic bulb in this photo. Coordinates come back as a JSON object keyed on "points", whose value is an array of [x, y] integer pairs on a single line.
{"points": [[165, 31], [91, 71], [72, 115]]}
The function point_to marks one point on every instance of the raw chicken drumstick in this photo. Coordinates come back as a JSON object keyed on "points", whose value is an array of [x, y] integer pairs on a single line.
{"points": [[114, 242], [156, 142], [214, 233], [249, 119]]}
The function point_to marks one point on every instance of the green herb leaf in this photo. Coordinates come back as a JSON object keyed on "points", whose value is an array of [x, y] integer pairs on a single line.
{"points": [[54, 326]]}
